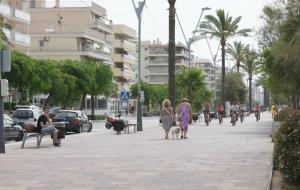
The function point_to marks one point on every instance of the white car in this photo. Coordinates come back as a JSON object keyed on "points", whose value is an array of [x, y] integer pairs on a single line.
{"points": [[26, 115]]}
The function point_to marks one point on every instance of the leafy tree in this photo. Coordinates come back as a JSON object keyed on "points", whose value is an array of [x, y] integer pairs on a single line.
{"points": [[235, 89], [102, 82], [21, 74], [280, 46], [222, 27]]}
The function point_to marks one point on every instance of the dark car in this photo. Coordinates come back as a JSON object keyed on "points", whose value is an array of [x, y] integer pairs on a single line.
{"points": [[75, 121], [12, 131]]}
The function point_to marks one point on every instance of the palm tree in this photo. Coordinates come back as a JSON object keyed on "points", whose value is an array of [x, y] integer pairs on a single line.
{"points": [[237, 51], [250, 65], [222, 27], [172, 85]]}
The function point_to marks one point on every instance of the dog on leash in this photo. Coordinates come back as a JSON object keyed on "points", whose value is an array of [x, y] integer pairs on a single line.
{"points": [[175, 132]]}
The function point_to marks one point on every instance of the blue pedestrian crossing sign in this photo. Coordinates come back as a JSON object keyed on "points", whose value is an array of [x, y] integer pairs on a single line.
{"points": [[124, 95]]}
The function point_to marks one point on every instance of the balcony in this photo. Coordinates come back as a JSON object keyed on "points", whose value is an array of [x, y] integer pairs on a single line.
{"points": [[22, 16], [124, 73], [103, 25], [71, 54], [121, 58], [17, 37], [124, 44], [5, 10]]}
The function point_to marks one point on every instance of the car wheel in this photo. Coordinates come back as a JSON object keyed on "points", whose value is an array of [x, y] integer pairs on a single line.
{"points": [[20, 137], [90, 129], [80, 129]]}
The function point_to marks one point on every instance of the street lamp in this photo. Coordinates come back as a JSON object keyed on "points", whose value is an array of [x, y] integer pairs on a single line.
{"points": [[193, 38], [139, 10]]}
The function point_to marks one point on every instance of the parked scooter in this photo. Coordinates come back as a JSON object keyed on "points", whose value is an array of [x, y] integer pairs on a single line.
{"points": [[116, 123]]}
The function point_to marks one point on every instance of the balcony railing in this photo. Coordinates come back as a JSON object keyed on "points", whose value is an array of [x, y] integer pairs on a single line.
{"points": [[12, 13], [5, 10], [16, 37], [22, 15], [103, 24], [22, 38]]}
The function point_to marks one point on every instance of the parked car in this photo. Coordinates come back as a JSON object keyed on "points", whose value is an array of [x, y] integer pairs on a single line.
{"points": [[26, 115], [75, 121], [12, 131]]}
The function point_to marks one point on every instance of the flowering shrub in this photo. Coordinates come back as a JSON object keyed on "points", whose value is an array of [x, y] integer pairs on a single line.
{"points": [[284, 114], [287, 148]]}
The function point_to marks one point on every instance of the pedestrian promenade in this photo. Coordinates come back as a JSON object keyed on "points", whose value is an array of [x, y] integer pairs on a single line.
{"points": [[218, 157]]}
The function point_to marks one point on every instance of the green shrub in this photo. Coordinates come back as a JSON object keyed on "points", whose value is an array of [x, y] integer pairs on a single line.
{"points": [[97, 117], [12, 105], [284, 114], [287, 148]]}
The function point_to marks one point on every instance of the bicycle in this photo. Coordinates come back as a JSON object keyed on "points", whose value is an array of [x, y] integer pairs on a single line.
{"points": [[220, 117], [233, 118], [206, 118], [257, 115], [242, 116]]}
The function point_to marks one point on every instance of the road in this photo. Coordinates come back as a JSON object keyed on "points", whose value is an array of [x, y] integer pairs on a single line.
{"points": [[217, 157]]}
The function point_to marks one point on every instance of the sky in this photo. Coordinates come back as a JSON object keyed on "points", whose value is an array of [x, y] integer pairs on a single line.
{"points": [[155, 18]]}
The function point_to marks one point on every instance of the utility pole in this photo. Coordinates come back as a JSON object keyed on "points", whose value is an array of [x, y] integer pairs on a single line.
{"points": [[172, 85], [139, 11]]}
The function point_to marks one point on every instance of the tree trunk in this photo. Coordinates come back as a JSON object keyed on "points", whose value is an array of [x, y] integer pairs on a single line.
{"points": [[223, 44], [250, 93], [266, 98], [238, 64], [172, 87], [82, 104], [46, 102], [93, 106]]}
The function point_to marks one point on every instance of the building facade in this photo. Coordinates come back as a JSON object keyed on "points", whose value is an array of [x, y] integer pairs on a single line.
{"points": [[124, 56], [210, 72], [75, 33], [155, 61], [15, 19]]}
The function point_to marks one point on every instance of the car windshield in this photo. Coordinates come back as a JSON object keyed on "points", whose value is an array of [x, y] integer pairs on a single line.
{"points": [[62, 115], [23, 114]]}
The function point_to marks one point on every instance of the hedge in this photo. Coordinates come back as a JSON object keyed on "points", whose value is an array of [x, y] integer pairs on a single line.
{"points": [[287, 147], [285, 114]]}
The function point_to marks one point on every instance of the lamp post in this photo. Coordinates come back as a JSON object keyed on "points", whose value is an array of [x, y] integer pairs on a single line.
{"points": [[193, 38], [139, 11]]}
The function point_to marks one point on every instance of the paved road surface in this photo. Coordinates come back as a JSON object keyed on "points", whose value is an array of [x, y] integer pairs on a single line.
{"points": [[218, 157]]}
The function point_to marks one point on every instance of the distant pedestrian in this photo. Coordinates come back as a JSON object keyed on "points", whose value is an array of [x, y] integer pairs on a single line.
{"points": [[167, 117], [184, 116], [126, 111], [273, 110]]}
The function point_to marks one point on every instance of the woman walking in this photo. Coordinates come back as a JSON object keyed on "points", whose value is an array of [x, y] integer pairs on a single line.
{"points": [[184, 116], [167, 117]]}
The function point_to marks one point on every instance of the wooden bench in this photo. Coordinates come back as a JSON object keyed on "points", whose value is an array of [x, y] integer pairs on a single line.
{"points": [[30, 131], [128, 125]]}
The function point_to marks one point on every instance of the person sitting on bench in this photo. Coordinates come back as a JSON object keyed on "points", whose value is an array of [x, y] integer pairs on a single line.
{"points": [[44, 126]]}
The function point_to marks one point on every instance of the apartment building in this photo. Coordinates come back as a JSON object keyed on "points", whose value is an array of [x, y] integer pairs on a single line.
{"points": [[210, 72], [15, 20], [155, 61], [124, 56], [70, 32]]}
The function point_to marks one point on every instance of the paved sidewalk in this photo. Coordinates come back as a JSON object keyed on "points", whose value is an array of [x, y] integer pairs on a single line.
{"points": [[218, 157]]}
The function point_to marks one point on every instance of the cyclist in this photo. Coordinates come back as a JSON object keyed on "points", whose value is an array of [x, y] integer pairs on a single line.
{"points": [[242, 112], [257, 111], [206, 111], [234, 112], [220, 111]]}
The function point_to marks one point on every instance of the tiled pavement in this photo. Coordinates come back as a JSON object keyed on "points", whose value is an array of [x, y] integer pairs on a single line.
{"points": [[218, 157]]}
